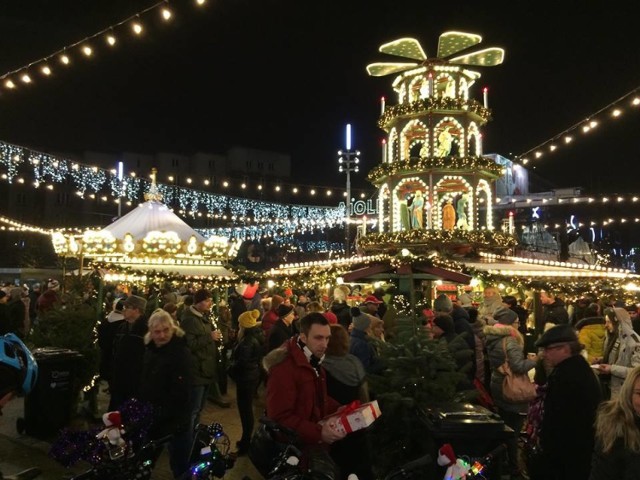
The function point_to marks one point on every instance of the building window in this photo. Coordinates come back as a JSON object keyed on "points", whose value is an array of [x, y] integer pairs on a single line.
{"points": [[270, 167], [175, 162]]}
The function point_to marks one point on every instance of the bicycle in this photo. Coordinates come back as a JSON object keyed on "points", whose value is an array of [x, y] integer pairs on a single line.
{"points": [[210, 453], [127, 464]]}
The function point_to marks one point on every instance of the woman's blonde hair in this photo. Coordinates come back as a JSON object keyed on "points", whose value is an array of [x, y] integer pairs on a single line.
{"points": [[617, 418], [160, 317]]}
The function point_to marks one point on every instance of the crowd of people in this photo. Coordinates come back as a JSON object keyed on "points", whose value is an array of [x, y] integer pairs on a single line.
{"points": [[170, 347]]}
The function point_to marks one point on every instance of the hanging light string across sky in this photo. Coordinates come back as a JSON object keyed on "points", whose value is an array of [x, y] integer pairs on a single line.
{"points": [[45, 66], [613, 110]]}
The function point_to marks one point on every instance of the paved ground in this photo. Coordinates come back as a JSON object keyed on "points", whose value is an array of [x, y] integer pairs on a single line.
{"points": [[18, 452]]}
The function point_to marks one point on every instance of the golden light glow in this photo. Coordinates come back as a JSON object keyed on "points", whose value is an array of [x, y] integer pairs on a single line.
{"points": [[9, 84], [45, 70], [87, 50], [111, 40], [225, 184], [137, 28], [616, 113], [166, 13], [64, 59], [26, 78]]}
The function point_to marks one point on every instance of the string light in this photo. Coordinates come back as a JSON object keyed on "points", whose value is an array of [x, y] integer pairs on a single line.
{"points": [[63, 55], [613, 110]]}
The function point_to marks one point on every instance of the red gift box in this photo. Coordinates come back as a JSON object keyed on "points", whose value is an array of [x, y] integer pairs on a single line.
{"points": [[354, 416]]}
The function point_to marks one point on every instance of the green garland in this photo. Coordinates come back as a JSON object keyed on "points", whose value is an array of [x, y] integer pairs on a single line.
{"points": [[427, 105], [422, 240], [423, 164]]}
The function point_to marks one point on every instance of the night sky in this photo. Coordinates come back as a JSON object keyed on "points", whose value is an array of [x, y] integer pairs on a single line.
{"points": [[287, 75]]}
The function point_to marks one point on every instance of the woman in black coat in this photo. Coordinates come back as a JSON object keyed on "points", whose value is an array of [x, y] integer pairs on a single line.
{"points": [[346, 382], [166, 385], [246, 361]]}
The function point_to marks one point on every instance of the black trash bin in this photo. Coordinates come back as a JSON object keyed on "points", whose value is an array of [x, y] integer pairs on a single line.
{"points": [[48, 407], [472, 431]]}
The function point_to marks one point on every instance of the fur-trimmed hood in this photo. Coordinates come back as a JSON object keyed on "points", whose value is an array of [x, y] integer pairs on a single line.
{"points": [[497, 332], [276, 356]]}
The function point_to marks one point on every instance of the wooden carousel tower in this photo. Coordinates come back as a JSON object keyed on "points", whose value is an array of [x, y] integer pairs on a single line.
{"points": [[433, 176]]}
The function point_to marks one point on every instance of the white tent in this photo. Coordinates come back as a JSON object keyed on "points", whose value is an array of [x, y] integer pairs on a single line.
{"points": [[151, 216]]}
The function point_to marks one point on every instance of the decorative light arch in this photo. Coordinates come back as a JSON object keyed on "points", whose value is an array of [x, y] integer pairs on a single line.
{"points": [[396, 227], [415, 96], [392, 146], [464, 88], [474, 132], [446, 92], [460, 138], [383, 199], [483, 186], [406, 147], [440, 200]]}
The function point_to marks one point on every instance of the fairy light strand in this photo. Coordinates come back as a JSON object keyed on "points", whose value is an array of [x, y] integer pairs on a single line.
{"points": [[566, 137], [11, 79]]}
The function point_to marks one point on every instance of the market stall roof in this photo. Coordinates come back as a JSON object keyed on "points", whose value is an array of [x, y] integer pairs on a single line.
{"points": [[151, 216], [532, 267], [418, 270]]}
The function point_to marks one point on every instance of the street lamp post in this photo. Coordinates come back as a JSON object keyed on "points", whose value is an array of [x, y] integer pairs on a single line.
{"points": [[120, 187], [348, 161]]}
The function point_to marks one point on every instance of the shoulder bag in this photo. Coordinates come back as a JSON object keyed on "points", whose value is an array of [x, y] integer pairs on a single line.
{"points": [[516, 387]]}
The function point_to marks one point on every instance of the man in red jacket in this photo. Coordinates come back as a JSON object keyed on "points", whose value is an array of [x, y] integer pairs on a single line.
{"points": [[297, 389]]}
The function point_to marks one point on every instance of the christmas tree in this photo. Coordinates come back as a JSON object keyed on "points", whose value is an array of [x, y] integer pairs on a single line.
{"points": [[420, 371]]}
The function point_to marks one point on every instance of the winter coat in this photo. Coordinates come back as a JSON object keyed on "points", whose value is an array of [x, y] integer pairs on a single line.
{"points": [[462, 327], [362, 348], [166, 384], [626, 358], [269, 319], [203, 348], [247, 356], [128, 357], [479, 347], [556, 313], [296, 392], [345, 377], [107, 331], [618, 464], [343, 312], [280, 333], [567, 429], [497, 336], [591, 333]]}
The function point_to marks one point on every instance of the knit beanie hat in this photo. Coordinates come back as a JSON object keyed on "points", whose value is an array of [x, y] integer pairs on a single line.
{"points": [[361, 321], [284, 310], [505, 316], [201, 295], [442, 304], [249, 319]]}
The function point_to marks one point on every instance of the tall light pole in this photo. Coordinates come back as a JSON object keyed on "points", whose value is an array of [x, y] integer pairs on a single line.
{"points": [[120, 187], [348, 160]]}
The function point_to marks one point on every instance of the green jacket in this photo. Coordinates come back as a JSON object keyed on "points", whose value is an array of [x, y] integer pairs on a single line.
{"points": [[203, 348]]}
